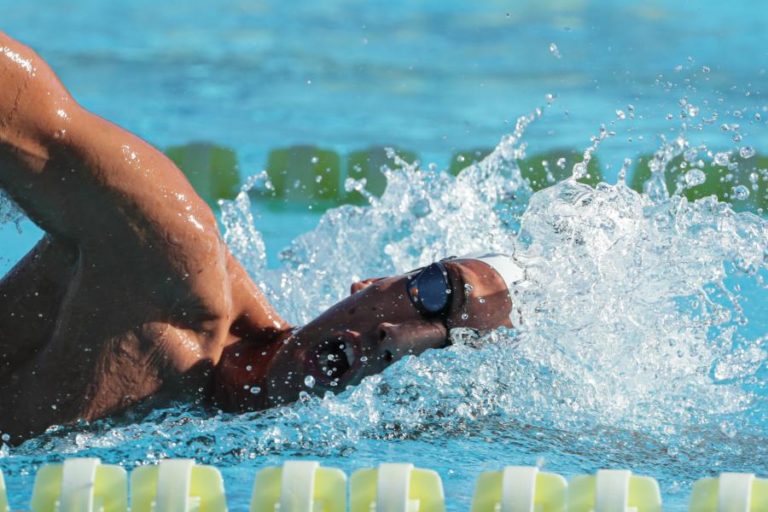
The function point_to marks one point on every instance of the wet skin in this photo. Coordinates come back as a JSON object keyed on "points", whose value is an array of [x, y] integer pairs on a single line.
{"points": [[132, 292]]}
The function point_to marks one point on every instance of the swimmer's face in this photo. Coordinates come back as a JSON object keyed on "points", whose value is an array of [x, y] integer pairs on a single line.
{"points": [[363, 334]]}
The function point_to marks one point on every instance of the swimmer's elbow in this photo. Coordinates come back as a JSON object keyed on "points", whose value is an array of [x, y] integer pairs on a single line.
{"points": [[35, 108]]}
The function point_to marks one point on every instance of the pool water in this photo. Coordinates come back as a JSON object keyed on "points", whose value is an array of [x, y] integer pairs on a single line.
{"points": [[644, 344]]}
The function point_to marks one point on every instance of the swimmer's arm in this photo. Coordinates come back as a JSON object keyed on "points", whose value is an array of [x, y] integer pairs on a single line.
{"points": [[85, 180], [74, 173]]}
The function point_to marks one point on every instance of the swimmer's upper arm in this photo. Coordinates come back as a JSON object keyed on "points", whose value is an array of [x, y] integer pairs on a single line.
{"points": [[75, 174]]}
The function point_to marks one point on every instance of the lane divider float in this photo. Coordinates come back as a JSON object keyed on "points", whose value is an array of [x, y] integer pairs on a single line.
{"points": [[299, 486], [80, 485], [181, 485], [396, 488], [730, 492]]}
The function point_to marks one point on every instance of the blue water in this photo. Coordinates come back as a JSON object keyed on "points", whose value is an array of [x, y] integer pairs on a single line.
{"points": [[645, 345]]}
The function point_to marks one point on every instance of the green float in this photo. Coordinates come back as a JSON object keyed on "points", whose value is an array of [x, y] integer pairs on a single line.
{"points": [[211, 169], [304, 173]]}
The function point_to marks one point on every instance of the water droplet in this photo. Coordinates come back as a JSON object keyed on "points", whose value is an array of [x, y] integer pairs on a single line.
{"points": [[464, 316], [303, 396], [314, 159], [309, 381], [5, 438], [363, 359], [705, 69], [549, 97], [747, 152], [692, 110], [481, 300], [561, 163], [740, 193], [722, 158], [620, 114], [248, 368], [255, 390], [553, 49], [579, 170], [460, 158], [468, 288], [695, 177]]}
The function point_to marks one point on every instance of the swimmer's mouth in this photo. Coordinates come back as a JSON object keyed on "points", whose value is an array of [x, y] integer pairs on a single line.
{"points": [[334, 361]]}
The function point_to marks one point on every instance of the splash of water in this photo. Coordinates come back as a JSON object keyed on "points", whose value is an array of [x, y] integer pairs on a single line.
{"points": [[632, 316], [625, 303]]}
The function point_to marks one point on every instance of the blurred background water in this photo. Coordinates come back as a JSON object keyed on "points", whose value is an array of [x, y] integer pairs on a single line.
{"points": [[439, 78]]}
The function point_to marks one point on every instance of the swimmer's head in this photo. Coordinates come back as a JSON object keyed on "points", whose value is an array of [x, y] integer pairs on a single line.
{"points": [[382, 321]]}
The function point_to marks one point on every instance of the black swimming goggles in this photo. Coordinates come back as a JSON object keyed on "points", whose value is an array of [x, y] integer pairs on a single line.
{"points": [[430, 290]]}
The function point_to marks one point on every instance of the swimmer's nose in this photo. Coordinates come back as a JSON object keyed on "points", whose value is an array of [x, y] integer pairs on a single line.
{"points": [[410, 338]]}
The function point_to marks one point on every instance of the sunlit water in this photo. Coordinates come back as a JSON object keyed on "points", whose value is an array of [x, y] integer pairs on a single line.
{"points": [[645, 336]]}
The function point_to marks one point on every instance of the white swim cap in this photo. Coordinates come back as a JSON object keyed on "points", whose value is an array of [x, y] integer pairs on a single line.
{"points": [[505, 265]]}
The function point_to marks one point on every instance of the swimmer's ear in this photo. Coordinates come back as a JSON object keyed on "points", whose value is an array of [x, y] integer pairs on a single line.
{"points": [[362, 285]]}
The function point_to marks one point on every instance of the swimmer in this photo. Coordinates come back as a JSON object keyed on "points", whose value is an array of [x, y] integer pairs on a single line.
{"points": [[132, 294]]}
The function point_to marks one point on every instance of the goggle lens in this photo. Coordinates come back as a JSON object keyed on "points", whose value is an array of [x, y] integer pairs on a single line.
{"points": [[430, 289]]}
